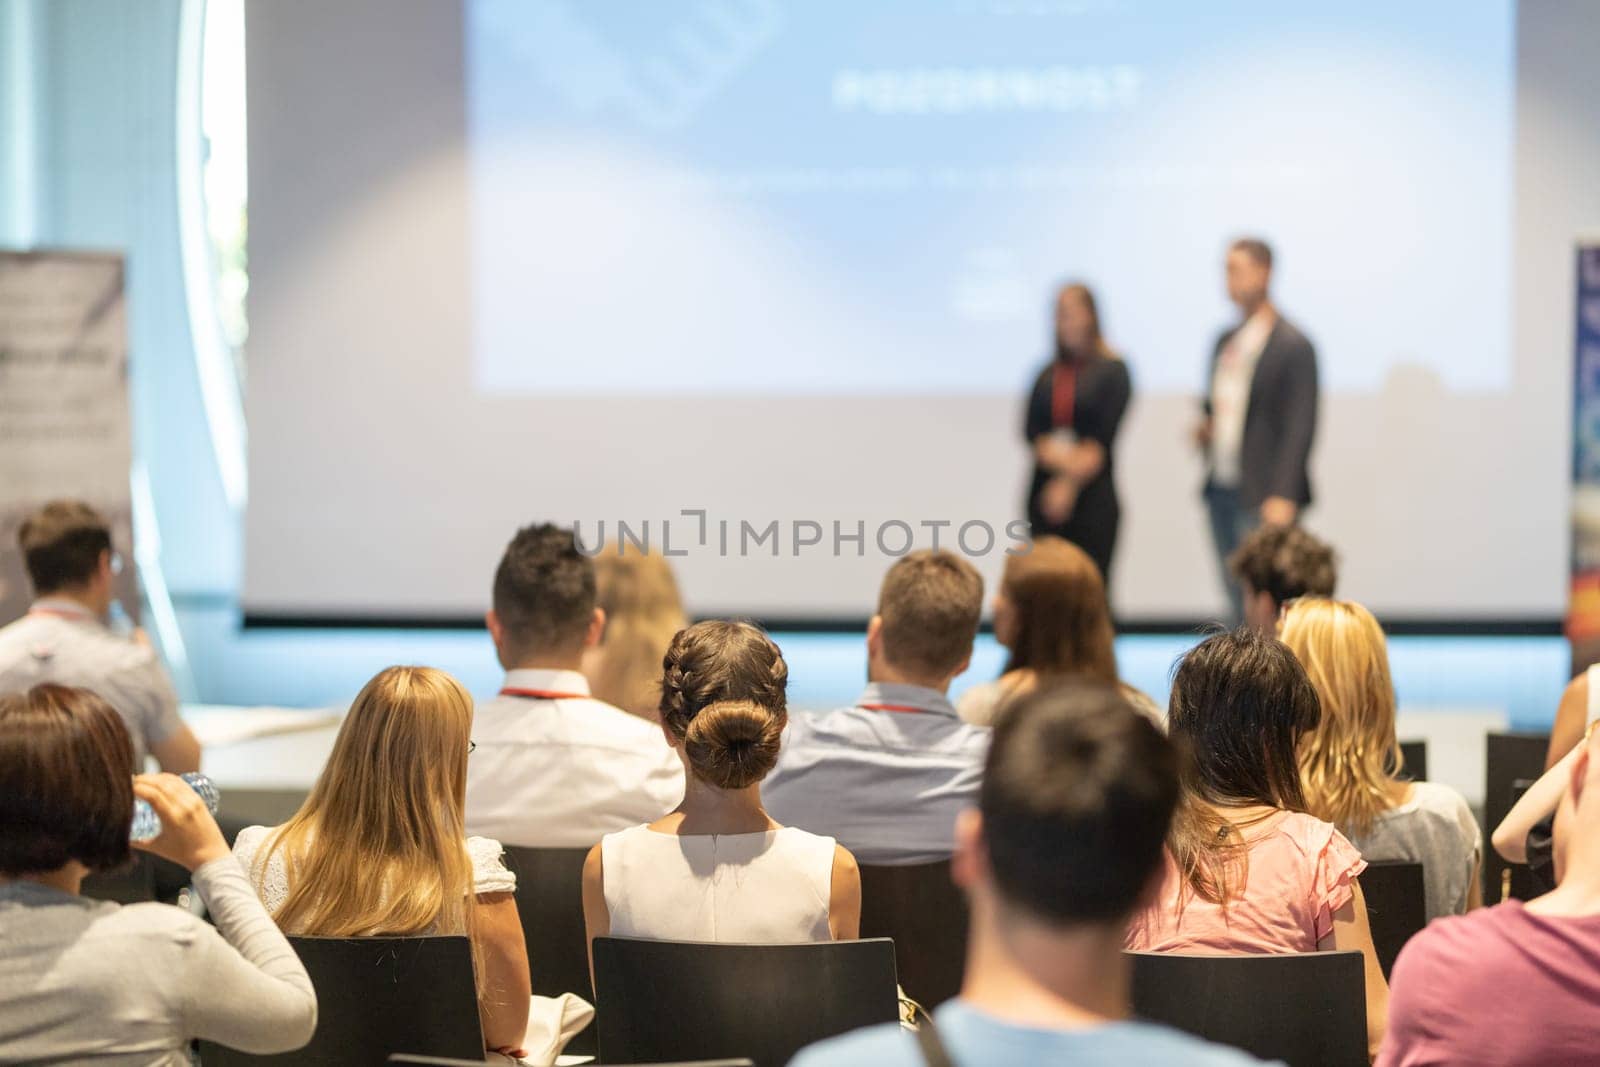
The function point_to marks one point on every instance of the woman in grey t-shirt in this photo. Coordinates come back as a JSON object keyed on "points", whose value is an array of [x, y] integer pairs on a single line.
{"points": [[1347, 763], [85, 981]]}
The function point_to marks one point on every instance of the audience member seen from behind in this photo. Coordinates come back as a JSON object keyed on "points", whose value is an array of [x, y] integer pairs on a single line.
{"points": [[1051, 614], [1515, 984], [84, 980], [1346, 761], [719, 868], [1247, 870], [1077, 797], [65, 637], [888, 775], [379, 849], [555, 767], [639, 596], [1277, 564]]}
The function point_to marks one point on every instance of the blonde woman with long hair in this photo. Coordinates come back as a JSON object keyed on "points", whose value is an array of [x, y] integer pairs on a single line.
{"points": [[639, 595], [379, 849], [1347, 762]]}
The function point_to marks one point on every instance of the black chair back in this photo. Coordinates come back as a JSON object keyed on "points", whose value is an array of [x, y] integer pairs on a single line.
{"points": [[1307, 1010], [686, 1000], [378, 995], [922, 911], [1397, 907], [133, 884], [1507, 758], [1414, 760], [550, 905]]}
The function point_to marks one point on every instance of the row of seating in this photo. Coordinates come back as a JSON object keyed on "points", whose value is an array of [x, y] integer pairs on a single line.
{"points": [[923, 917], [668, 1001]]}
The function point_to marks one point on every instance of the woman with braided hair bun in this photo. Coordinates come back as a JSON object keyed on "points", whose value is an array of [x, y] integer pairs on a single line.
{"points": [[718, 868]]}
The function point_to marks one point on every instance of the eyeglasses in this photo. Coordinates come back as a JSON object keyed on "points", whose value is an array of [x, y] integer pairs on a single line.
{"points": [[472, 746]]}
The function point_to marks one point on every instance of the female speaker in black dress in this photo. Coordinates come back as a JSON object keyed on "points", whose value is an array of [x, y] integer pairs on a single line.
{"points": [[1073, 414]]}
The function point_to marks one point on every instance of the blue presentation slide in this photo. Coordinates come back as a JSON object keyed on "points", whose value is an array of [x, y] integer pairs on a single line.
{"points": [[880, 197]]}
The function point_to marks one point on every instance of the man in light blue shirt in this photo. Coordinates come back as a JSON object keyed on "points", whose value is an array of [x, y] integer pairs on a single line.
{"points": [[1078, 792], [887, 776]]}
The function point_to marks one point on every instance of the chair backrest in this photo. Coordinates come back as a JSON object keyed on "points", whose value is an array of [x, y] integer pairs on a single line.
{"points": [[687, 1000], [1397, 907], [1306, 1010], [1414, 756], [550, 905], [921, 910], [377, 995], [133, 884], [1507, 757]]}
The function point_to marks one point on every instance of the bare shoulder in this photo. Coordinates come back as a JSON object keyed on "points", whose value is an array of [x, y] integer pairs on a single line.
{"points": [[844, 864], [593, 865]]}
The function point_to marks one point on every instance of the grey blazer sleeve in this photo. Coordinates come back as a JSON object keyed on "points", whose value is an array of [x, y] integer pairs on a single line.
{"points": [[1288, 477]]}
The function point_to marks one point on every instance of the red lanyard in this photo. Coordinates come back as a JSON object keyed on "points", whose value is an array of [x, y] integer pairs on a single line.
{"points": [[908, 708], [84, 615], [542, 694], [1063, 397]]}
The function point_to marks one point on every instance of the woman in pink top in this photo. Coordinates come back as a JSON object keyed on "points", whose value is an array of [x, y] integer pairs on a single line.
{"points": [[1247, 870]]}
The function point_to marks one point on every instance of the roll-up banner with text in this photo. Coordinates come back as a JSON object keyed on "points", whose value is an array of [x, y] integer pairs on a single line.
{"points": [[1583, 612], [64, 423]]}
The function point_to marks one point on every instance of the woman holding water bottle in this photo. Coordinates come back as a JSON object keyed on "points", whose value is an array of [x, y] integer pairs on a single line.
{"points": [[85, 980], [1071, 423]]}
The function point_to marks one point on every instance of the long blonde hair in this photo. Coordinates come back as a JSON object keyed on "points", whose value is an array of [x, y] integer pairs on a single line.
{"points": [[379, 846], [640, 598], [1345, 762]]}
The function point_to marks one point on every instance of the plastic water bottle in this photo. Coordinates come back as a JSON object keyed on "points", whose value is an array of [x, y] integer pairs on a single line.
{"points": [[147, 824]]}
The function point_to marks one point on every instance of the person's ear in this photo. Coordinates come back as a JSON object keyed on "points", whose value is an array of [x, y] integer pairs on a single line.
{"points": [[597, 628], [969, 863], [874, 635], [961, 669], [497, 632]]}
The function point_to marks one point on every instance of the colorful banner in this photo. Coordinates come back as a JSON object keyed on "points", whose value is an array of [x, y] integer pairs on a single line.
{"points": [[1583, 610], [64, 423]]}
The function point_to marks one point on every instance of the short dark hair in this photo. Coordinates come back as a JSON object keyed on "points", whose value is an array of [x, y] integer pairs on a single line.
{"points": [[62, 544], [1255, 248], [1285, 562], [67, 764], [1077, 796], [929, 607], [724, 694], [544, 591]]}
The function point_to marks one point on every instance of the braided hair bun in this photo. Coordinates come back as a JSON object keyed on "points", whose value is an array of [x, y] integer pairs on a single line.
{"points": [[723, 696]]}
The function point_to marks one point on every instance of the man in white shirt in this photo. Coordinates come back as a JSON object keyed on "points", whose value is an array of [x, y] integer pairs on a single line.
{"points": [[887, 777], [554, 767], [66, 550], [1260, 414]]}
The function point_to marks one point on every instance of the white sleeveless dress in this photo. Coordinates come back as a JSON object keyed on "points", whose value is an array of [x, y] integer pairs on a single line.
{"points": [[763, 888]]}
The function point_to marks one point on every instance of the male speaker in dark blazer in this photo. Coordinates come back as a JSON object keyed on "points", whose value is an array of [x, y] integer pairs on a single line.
{"points": [[1260, 413]]}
